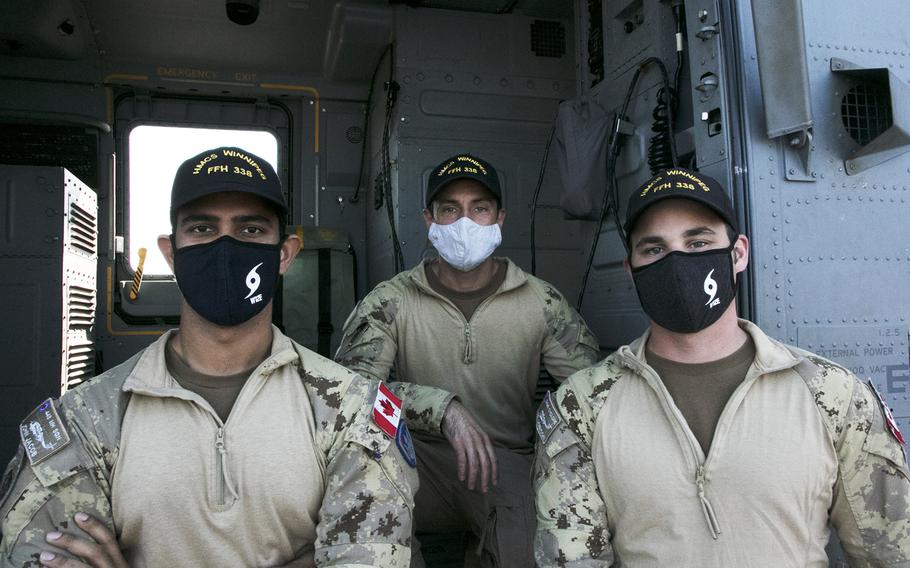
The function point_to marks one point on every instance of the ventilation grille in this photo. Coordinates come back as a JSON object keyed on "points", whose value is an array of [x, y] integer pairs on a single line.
{"points": [[73, 147], [866, 112], [80, 307], [548, 38], [83, 229], [80, 361], [354, 134]]}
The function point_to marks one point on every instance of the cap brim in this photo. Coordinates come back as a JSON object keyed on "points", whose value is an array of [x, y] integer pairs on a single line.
{"points": [[630, 223], [229, 187], [478, 179]]}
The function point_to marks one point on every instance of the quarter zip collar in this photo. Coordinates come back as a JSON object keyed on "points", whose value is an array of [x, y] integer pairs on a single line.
{"points": [[515, 278], [770, 355], [151, 378]]}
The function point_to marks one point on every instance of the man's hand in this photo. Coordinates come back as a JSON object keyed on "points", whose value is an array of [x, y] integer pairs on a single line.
{"points": [[472, 446], [103, 552]]}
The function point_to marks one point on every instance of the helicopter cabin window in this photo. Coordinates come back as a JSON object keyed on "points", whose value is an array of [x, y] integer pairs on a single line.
{"points": [[155, 153]]}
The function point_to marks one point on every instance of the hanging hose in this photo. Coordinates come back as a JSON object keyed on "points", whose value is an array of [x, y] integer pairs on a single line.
{"points": [[366, 124], [543, 170], [385, 165]]}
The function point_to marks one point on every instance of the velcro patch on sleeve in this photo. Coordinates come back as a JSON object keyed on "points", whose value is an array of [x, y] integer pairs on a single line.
{"points": [[406, 445], [548, 417], [43, 433]]}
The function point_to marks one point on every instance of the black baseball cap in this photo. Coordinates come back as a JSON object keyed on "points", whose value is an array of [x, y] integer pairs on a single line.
{"points": [[679, 182], [226, 169], [463, 166]]}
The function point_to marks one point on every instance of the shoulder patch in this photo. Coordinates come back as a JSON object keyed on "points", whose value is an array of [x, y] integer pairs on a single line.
{"points": [[889, 418], [406, 445], [548, 417], [387, 411], [43, 433]]}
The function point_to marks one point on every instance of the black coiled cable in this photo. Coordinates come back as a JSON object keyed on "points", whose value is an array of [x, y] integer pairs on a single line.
{"points": [[660, 153]]}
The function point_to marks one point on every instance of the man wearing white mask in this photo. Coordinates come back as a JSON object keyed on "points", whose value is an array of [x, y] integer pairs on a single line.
{"points": [[466, 334]]}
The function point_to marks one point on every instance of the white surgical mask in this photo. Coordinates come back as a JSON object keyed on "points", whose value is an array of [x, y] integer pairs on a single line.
{"points": [[464, 244]]}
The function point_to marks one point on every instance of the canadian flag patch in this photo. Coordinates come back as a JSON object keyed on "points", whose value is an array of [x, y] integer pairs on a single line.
{"points": [[889, 418], [387, 411]]}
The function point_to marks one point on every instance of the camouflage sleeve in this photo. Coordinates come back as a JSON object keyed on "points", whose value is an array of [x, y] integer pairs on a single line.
{"points": [[572, 527], [871, 509], [36, 499], [369, 347], [569, 345], [366, 514]]}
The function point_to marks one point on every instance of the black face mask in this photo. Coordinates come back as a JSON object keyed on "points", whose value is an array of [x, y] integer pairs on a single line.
{"points": [[686, 292], [227, 281]]}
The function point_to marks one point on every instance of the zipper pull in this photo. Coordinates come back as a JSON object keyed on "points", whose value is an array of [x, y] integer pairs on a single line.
{"points": [[219, 441], [706, 507], [224, 481], [468, 348]]}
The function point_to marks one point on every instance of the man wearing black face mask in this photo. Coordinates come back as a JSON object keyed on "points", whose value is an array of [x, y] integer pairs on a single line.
{"points": [[706, 442], [223, 443]]}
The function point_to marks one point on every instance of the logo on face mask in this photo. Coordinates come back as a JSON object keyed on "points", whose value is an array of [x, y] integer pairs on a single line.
{"points": [[212, 277], [252, 282], [671, 288], [711, 290]]}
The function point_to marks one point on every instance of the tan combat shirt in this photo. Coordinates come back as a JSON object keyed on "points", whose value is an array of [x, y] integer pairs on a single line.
{"points": [[491, 362], [297, 465], [621, 480]]}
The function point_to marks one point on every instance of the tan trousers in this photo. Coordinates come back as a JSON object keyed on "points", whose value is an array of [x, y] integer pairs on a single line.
{"points": [[502, 521]]}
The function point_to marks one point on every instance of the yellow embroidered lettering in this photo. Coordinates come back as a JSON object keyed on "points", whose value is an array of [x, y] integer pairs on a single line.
{"points": [[198, 167]]}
